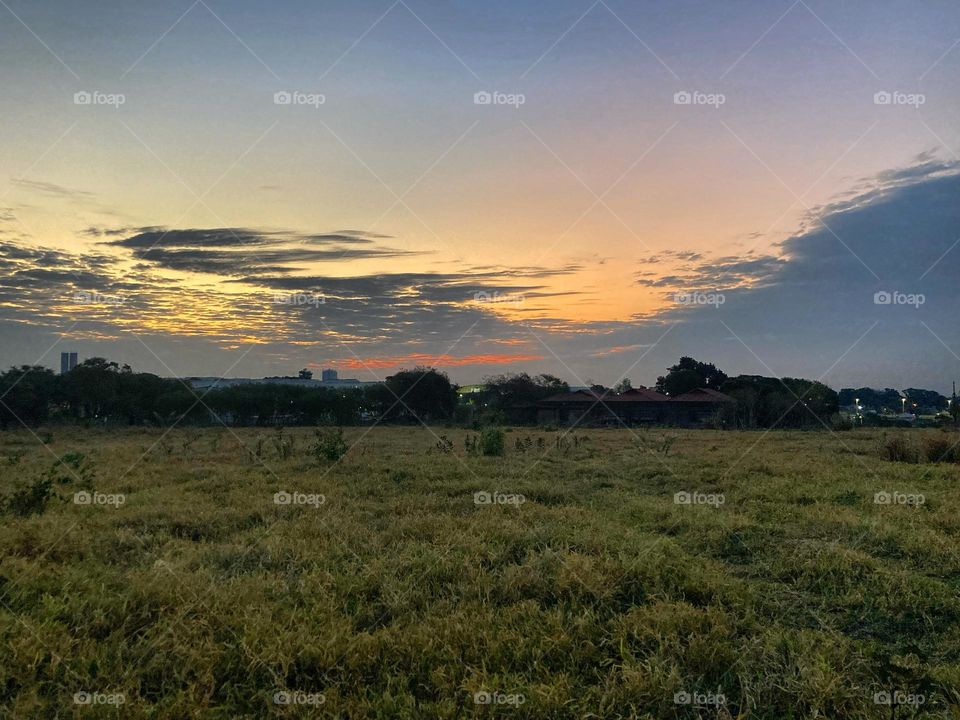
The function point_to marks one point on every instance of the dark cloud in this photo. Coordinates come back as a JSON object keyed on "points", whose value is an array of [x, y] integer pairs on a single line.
{"points": [[244, 251], [53, 190]]}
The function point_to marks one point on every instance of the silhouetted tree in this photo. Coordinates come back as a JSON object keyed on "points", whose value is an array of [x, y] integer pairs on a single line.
{"points": [[424, 394], [26, 394], [689, 374]]}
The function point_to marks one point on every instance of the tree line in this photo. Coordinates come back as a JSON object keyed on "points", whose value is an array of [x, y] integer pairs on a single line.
{"points": [[98, 391]]}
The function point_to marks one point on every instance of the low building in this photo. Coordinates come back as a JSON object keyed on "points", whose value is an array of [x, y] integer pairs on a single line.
{"points": [[637, 406]]}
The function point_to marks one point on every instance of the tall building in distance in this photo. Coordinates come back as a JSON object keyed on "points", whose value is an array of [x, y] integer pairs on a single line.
{"points": [[328, 375], [68, 361]]}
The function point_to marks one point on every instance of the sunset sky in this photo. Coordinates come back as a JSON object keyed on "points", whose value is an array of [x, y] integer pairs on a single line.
{"points": [[187, 221]]}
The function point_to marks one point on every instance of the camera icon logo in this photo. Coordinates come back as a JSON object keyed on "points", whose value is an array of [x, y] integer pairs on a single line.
{"points": [[282, 98], [482, 697], [882, 498], [682, 498], [82, 498], [82, 98], [482, 98], [882, 98], [282, 498], [682, 98], [82, 698], [681, 698], [882, 298], [482, 498]]}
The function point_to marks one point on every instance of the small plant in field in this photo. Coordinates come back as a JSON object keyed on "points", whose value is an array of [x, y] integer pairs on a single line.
{"points": [[562, 442], [46, 437], [283, 444], [523, 444], [189, 439], [471, 445], [398, 476], [941, 449], [898, 449], [32, 499], [215, 440], [541, 443], [329, 445], [257, 453], [14, 458], [72, 466], [166, 447], [492, 441], [666, 444], [445, 444]]}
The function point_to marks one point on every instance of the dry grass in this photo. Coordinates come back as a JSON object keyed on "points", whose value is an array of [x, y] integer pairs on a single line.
{"points": [[798, 596]]}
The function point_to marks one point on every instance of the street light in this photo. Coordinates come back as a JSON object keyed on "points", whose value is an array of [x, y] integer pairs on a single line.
{"points": [[903, 405]]}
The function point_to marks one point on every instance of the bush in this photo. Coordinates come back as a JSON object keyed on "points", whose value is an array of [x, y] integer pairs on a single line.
{"points": [[941, 449], [492, 441], [897, 449], [30, 499], [840, 422], [330, 444]]}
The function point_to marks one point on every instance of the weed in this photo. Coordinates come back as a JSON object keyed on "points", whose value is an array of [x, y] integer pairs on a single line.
{"points": [[492, 441], [329, 444]]}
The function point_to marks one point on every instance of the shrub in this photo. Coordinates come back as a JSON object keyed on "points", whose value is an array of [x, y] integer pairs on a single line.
{"points": [[492, 441], [282, 444], [840, 422], [30, 499], [897, 449], [330, 444], [941, 449]]}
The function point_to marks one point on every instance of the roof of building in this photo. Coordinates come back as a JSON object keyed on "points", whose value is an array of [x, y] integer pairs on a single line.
{"points": [[703, 395], [640, 394]]}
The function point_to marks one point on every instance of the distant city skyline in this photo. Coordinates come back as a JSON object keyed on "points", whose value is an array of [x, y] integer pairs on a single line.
{"points": [[588, 190]]}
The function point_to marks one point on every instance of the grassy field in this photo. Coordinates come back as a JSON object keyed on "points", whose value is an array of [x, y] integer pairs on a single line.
{"points": [[181, 585]]}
